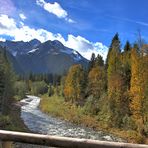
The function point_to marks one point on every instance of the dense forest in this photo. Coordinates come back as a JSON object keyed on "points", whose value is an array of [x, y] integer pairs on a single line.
{"points": [[118, 90], [114, 92]]}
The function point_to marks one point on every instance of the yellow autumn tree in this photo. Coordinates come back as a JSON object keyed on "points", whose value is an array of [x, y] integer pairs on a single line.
{"points": [[74, 84], [138, 90], [144, 94], [115, 83], [96, 81]]}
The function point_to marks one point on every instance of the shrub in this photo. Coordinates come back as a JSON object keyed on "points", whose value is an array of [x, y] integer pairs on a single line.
{"points": [[20, 89], [39, 87]]}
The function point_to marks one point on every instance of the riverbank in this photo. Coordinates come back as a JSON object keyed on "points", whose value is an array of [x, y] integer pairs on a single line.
{"points": [[56, 106], [13, 120]]}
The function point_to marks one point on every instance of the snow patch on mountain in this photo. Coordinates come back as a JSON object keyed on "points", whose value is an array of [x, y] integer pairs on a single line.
{"points": [[33, 50], [55, 53], [76, 55], [73, 53], [14, 53]]}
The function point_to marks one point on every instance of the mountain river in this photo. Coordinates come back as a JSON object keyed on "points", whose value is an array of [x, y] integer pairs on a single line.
{"points": [[39, 122]]}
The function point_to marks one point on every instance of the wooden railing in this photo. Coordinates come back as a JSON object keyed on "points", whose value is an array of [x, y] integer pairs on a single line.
{"points": [[63, 142]]}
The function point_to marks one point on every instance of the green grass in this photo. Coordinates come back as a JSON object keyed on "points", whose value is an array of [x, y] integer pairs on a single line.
{"points": [[4, 120], [56, 106]]}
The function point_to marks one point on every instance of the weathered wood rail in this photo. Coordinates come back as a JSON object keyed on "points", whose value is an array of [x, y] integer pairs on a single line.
{"points": [[63, 142]]}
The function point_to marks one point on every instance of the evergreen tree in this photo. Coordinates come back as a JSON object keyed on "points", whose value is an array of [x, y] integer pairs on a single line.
{"points": [[91, 62], [2, 78], [126, 64], [127, 47], [50, 90], [99, 61], [118, 104], [115, 42], [6, 82]]}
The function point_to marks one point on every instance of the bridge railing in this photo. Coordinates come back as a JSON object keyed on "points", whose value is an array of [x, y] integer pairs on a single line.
{"points": [[63, 142]]}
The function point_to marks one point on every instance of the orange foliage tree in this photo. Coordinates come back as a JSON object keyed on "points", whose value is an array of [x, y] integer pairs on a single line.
{"points": [[74, 84]]}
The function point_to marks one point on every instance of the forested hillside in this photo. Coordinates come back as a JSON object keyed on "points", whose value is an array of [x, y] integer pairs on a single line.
{"points": [[121, 83]]}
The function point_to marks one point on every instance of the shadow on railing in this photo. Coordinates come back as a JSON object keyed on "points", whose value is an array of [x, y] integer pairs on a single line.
{"points": [[45, 140]]}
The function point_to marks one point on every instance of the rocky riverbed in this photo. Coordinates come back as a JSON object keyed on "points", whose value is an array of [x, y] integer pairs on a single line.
{"points": [[39, 122]]}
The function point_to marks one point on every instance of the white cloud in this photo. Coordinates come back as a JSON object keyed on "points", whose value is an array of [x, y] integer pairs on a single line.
{"points": [[22, 16], [6, 22], [70, 20], [55, 9], [85, 47], [19, 31]]}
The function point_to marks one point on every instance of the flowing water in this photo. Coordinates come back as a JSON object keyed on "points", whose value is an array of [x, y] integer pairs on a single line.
{"points": [[39, 122]]}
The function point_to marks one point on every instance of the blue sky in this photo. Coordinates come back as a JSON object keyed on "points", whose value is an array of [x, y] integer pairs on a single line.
{"points": [[87, 25]]}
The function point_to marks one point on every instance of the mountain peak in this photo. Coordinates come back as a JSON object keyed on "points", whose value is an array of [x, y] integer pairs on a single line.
{"points": [[34, 42], [57, 43]]}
